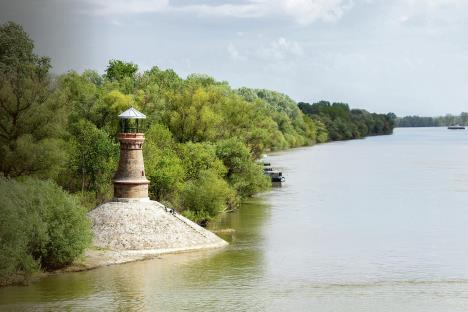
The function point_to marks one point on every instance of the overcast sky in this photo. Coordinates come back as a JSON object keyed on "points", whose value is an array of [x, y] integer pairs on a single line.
{"points": [[404, 56]]}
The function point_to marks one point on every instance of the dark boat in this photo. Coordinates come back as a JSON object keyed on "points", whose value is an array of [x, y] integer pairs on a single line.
{"points": [[456, 127], [275, 175]]}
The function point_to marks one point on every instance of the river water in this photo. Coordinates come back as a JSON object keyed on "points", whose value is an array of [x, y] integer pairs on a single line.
{"points": [[378, 224]]}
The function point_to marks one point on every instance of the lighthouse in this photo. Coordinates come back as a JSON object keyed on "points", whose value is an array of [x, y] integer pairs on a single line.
{"points": [[130, 182], [132, 224]]}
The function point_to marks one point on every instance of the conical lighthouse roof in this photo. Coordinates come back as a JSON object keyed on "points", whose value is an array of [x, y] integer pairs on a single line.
{"points": [[132, 113]]}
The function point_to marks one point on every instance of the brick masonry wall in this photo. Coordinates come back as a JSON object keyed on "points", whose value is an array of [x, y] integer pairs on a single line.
{"points": [[130, 190], [130, 180]]}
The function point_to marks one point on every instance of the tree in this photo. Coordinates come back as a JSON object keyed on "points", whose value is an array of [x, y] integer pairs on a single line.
{"points": [[245, 176], [163, 166], [286, 114], [118, 70], [94, 157], [109, 106], [343, 123], [164, 80], [29, 122], [190, 115], [199, 157]]}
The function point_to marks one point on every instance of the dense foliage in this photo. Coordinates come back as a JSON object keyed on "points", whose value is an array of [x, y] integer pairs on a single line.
{"points": [[202, 142], [29, 133], [343, 123], [41, 226], [201, 136], [441, 121]]}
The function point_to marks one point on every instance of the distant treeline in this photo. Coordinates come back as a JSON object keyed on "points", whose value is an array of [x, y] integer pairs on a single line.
{"points": [[343, 123], [441, 121]]}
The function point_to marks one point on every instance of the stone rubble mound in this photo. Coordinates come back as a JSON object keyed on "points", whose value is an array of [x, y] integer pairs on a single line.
{"points": [[147, 225]]}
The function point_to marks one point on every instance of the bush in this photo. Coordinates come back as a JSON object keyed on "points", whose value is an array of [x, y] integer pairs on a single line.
{"points": [[15, 261], [244, 175], [41, 227], [206, 197]]}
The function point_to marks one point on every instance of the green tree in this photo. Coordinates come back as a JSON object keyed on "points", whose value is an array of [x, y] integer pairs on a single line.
{"points": [[190, 115], [343, 123], [121, 76], [163, 166], [109, 106], [245, 176], [118, 70], [199, 157], [94, 158], [29, 121]]}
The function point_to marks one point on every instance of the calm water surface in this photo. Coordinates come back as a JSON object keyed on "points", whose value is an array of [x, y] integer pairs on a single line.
{"points": [[379, 224]]}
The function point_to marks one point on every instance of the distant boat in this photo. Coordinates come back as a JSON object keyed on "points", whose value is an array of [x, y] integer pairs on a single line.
{"points": [[456, 127]]}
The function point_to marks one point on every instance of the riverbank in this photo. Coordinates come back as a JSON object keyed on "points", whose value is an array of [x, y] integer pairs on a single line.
{"points": [[96, 256], [139, 230]]}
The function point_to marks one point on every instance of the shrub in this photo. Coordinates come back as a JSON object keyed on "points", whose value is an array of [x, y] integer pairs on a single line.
{"points": [[15, 224], [41, 226], [244, 175], [206, 197]]}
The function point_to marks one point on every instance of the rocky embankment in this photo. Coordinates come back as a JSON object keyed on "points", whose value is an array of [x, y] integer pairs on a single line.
{"points": [[138, 230]]}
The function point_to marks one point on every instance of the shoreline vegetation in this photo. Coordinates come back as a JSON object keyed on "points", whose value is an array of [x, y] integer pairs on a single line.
{"points": [[59, 148]]}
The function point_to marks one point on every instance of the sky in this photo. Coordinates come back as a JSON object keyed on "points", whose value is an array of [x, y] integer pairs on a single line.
{"points": [[402, 56]]}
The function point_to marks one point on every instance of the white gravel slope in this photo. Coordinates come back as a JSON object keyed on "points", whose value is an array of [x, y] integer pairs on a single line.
{"points": [[147, 226]]}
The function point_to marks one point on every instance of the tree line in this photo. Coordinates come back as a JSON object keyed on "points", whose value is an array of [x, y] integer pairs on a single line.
{"points": [[59, 147], [440, 121], [343, 123]]}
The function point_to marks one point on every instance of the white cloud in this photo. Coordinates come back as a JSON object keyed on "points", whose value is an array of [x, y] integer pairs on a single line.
{"points": [[281, 49], [302, 12], [277, 51]]}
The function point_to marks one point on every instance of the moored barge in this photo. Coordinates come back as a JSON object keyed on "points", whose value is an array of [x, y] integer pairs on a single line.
{"points": [[275, 175]]}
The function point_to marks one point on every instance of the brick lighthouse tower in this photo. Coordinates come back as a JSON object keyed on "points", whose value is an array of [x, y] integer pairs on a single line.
{"points": [[133, 225], [130, 182]]}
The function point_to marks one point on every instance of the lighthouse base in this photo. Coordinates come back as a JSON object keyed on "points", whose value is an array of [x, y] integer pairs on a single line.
{"points": [[133, 190], [147, 225]]}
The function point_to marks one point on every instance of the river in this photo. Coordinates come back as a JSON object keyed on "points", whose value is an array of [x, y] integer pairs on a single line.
{"points": [[378, 224]]}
